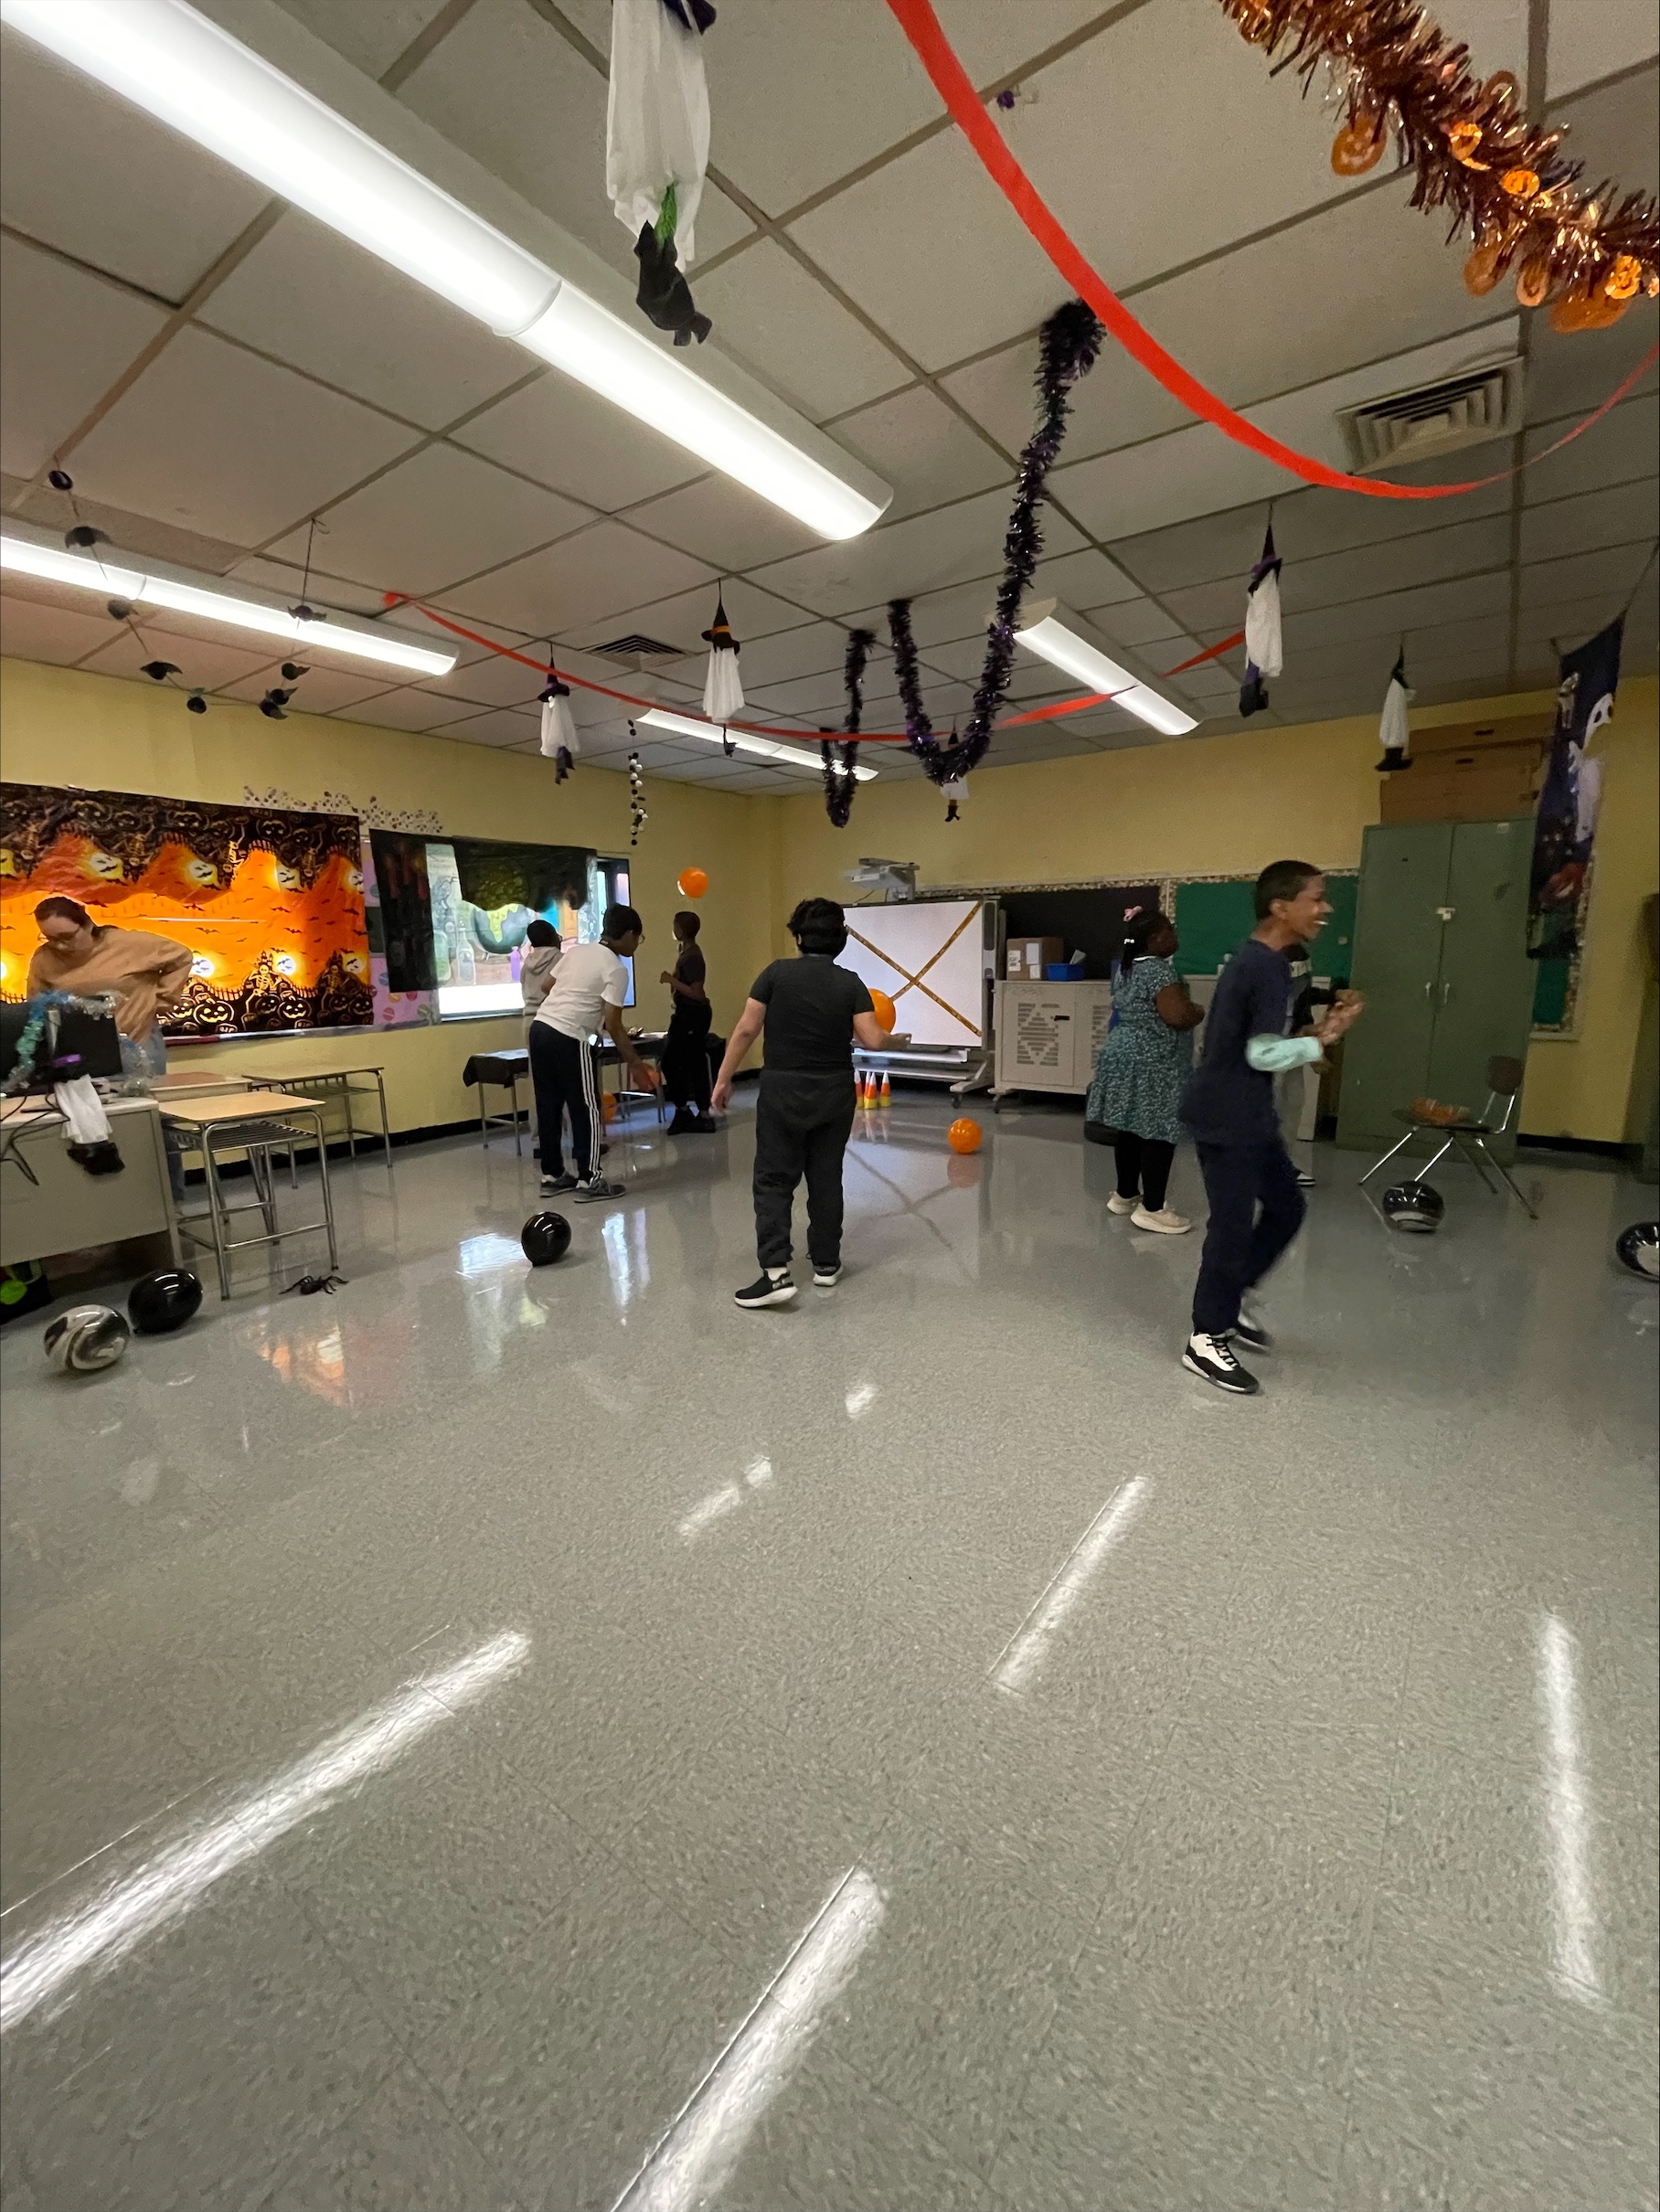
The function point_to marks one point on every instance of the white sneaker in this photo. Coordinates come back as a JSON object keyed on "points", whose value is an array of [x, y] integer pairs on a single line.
{"points": [[1165, 1222], [1117, 1205]]}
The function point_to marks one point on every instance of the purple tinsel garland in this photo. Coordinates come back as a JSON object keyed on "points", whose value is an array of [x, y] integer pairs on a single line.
{"points": [[1070, 343], [839, 788]]}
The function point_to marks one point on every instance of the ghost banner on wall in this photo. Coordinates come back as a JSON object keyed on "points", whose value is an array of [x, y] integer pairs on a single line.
{"points": [[1566, 823]]}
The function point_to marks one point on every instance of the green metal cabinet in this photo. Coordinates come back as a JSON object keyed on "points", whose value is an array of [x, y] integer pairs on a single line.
{"points": [[1441, 941]]}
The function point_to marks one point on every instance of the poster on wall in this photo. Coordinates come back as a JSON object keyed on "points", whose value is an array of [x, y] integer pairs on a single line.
{"points": [[1566, 820], [269, 902], [398, 907]]}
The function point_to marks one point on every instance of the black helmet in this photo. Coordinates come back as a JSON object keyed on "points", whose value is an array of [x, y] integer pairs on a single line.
{"points": [[1638, 1248], [1417, 1207]]}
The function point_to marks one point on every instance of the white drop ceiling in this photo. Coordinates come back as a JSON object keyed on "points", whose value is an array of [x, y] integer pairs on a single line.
{"points": [[217, 372]]}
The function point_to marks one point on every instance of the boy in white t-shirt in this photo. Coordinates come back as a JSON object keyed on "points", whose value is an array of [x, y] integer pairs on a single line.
{"points": [[589, 990]]}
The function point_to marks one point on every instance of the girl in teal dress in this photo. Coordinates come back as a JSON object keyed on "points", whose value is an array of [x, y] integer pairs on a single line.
{"points": [[1140, 1070]]}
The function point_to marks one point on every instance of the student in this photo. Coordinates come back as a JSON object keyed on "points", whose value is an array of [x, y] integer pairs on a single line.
{"points": [[812, 1011], [686, 1060], [1143, 1061], [146, 973], [537, 963], [590, 989], [1229, 1105]]}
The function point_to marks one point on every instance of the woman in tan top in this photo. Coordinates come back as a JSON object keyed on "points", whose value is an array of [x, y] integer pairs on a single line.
{"points": [[143, 973]]}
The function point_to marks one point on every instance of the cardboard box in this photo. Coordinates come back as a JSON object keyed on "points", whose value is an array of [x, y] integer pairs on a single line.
{"points": [[1469, 771], [1026, 958]]}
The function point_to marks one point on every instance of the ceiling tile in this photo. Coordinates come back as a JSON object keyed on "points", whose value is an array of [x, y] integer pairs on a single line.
{"points": [[1615, 128], [964, 279], [85, 171], [1612, 572], [682, 619], [64, 339], [31, 632], [921, 554], [926, 451], [722, 523], [1137, 621], [1569, 377], [319, 588], [1117, 403], [1624, 514], [200, 664], [1624, 444], [1592, 38], [220, 441], [564, 436], [497, 728], [440, 516], [369, 33], [506, 87], [409, 707], [311, 298], [776, 318], [1394, 611], [607, 568], [319, 691]]}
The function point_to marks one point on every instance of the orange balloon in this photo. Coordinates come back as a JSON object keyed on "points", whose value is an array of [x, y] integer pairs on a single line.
{"points": [[882, 1007], [691, 883], [964, 1134], [608, 1106]]}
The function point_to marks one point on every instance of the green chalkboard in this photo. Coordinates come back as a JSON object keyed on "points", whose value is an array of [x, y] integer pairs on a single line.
{"points": [[1212, 919]]}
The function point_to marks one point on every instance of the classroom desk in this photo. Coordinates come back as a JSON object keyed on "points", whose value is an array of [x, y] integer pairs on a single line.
{"points": [[49, 1204], [255, 1122], [335, 1083]]}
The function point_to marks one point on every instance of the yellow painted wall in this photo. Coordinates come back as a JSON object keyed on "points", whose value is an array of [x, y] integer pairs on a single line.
{"points": [[1228, 806], [64, 726]]}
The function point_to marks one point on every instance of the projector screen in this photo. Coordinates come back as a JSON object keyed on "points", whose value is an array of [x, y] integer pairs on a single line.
{"points": [[929, 959]]}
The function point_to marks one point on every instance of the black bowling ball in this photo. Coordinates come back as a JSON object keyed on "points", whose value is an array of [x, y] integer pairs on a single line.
{"points": [[545, 1238], [163, 1301], [1414, 1206], [1638, 1248]]}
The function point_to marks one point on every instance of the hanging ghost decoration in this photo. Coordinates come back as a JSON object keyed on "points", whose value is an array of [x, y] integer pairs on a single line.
{"points": [[657, 149], [560, 743], [1394, 727], [1263, 656], [722, 688]]}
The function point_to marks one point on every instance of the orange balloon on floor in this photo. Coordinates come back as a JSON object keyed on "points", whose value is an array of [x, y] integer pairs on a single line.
{"points": [[691, 883], [964, 1134], [882, 1007]]}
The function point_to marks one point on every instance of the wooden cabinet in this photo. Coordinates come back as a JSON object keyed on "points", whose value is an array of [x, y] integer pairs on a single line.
{"points": [[1440, 954]]}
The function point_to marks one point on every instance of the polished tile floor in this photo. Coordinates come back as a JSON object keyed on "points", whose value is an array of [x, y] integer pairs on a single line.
{"points": [[550, 1740]]}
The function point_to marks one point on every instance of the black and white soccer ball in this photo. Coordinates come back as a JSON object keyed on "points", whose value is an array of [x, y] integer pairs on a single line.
{"points": [[85, 1339]]}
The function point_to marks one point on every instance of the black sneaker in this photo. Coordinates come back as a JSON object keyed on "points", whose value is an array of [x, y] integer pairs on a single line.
{"points": [[826, 1277], [767, 1290], [1249, 1332], [566, 1181], [691, 1125], [599, 1190], [1212, 1358]]}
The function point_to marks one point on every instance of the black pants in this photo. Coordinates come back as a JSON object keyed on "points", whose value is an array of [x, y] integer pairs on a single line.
{"points": [[1143, 1165], [686, 1060], [1242, 1243], [801, 1126], [562, 1071]]}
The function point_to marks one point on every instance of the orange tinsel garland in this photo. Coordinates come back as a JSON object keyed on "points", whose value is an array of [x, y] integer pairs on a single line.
{"points": [[1475, 153]]}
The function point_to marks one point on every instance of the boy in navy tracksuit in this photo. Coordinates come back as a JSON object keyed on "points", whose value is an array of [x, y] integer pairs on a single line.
{"points": [[1256, 1208]]}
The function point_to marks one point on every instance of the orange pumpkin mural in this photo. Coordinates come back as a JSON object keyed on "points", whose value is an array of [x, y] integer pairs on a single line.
{"points": [[270, 902]]}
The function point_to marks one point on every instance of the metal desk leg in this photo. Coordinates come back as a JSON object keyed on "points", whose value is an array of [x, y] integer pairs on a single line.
{"points": [[328, 1199], [519, 1141], [1388, 1156], [215, 1213], [484, 1126], [386, 1126]]}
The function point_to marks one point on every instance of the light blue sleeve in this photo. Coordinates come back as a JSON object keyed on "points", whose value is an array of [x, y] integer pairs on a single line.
{"points": [[1274, 1054]]}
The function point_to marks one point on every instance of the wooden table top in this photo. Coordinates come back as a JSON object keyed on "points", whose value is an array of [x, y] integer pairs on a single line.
{"points": [[314, 1074], [234, 1106]]}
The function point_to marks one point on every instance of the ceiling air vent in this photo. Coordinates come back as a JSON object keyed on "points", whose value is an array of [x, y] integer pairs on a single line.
{"points": [[1478, 403], [633, 647]]}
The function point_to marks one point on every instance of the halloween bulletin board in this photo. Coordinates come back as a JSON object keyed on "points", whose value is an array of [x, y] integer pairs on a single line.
{"points": [[269, 902]]}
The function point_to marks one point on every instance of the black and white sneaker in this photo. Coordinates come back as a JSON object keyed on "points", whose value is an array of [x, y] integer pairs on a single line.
{"points": [[563, 1182], [1212, 1358], [767, 1290], [1249, 1332], [599, 1190], [826, 1277]]}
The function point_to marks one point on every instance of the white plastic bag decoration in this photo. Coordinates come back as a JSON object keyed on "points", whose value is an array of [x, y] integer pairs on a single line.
{"points": [[657, 117], [559, 725], [722, 687], [1263, 652], [1394, 726]]}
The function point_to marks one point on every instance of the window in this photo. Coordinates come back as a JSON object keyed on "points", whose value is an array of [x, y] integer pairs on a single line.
{"points": [[476, 951]]}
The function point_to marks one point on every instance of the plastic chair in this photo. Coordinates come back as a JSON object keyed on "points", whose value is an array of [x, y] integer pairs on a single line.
{"points": [[1470, 1138]]}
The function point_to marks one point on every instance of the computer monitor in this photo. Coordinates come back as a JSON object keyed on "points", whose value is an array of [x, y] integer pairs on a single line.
{"points": [[73, 1043]]}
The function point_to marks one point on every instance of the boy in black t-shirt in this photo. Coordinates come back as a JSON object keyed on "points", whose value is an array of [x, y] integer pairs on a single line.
{"points": [[812, 1011], [1256, 1208], [686, 1063]]}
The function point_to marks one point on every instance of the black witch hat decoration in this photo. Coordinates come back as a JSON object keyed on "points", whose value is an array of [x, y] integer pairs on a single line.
{"points": [[664, 297]]}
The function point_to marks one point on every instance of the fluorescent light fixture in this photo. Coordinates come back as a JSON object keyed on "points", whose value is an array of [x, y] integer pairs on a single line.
{"points": [[764, 748], [701, 2150], [1053, 641], [99, 1933], [184, 69], [208, 601], [1027, 1648]]}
